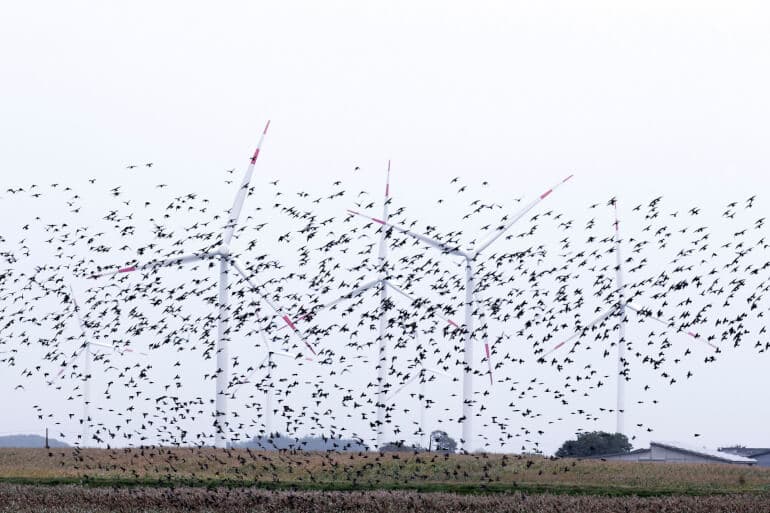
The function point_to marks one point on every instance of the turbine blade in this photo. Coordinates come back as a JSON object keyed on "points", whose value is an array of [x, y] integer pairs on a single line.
{"points": [[383, 253], [240, 197], [581, 331], [66, 365], [108, 346], [387, 186], [350, 295], [446, 248], [486, 344], [489, 363], [403, 386], [518, 216], [247, 378], [436, 371], [81, 322], [286, 319], [157, 264], [412, 300], [646, 312], [129, 350]]}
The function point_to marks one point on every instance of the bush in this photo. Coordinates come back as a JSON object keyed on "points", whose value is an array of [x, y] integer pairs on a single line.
{"points": [[595, 443]]}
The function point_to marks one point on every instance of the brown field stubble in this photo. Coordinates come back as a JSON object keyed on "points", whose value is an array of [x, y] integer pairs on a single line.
{"points": [[372, 470], [78, 499]]}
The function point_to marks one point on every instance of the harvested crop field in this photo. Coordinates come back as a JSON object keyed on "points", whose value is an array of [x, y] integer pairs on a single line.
{"points": [[78, 499], [163, 480], [373, 471]]}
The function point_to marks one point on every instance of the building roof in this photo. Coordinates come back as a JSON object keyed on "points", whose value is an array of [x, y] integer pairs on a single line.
{"points": [[614, 454], [747, 452], [704, 452]]}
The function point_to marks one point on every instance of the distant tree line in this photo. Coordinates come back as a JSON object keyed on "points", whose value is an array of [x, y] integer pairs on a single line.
{"points": [[278, 442], [439, 442]]}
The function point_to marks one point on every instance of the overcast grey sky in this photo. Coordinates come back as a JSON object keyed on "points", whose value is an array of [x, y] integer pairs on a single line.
{"points": [[636, 98]]}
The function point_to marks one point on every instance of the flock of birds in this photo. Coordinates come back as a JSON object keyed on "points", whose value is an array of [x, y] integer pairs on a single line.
{"points": [[537, 294]]}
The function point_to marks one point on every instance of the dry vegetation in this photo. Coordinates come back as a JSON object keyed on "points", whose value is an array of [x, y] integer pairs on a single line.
{"points": [[154, 480], [79, 499], [333, 471]]}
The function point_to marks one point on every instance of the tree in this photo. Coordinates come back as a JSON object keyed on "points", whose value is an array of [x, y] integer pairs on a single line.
{"points": [[594, 443], [440, 441]]}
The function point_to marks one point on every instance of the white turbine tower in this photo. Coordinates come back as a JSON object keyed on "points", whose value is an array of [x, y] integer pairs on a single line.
{"points": [[85, 350], [382, 348], [618, 308], [385, 285], [470, 257], [223, 317]]}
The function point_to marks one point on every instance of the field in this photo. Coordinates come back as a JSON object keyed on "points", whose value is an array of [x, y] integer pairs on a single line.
{"points": [[170, 480], [78, 499]]}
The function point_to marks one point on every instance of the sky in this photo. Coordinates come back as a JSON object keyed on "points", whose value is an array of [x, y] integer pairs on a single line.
{"points": [[636, 99]]}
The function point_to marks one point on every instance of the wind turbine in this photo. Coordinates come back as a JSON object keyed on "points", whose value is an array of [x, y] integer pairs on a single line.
{"points": [[470, 257], [619, 308], [384, 283], [85, 350], [223, 318]]}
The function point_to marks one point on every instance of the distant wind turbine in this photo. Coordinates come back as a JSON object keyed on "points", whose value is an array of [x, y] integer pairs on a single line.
{"points": [[223, 318], [618, 308], [470, 257], [385, 284], [85, 350]]}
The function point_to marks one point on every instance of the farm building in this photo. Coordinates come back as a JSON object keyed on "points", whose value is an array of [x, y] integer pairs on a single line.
{"points": [[675, 452], [761, 454]]}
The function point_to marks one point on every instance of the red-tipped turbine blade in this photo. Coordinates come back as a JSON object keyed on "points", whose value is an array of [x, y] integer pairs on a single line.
{"points": [[286, 319], [518, 216], [648, 314], [581, 331], [403, 386], [157, 264], [240, 196]]}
